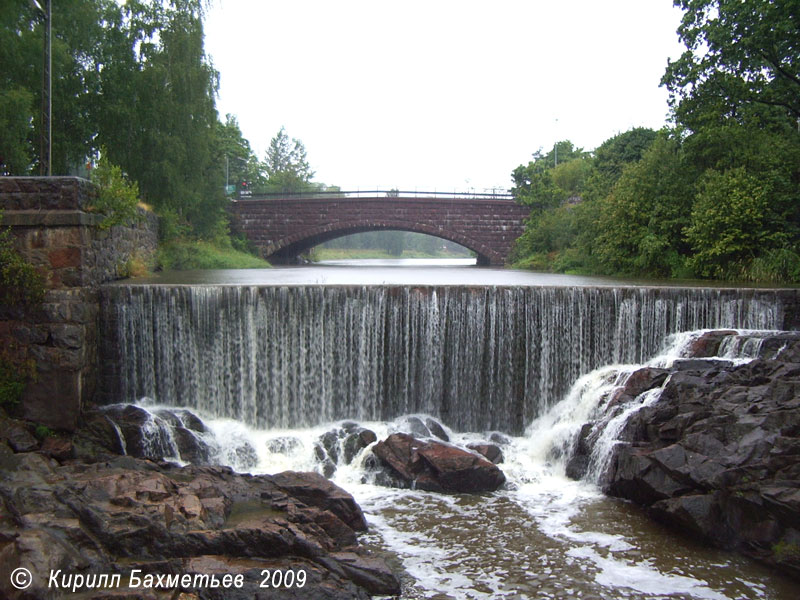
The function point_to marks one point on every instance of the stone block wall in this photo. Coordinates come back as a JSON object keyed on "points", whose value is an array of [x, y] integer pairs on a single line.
{"points": [[53, 231]]}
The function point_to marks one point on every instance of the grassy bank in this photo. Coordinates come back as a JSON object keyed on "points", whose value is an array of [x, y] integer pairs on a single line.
{"points": [[182, 255]]}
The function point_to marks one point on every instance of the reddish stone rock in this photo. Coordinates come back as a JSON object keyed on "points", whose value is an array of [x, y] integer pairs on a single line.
{"points": [[65, 257], [437, 467]]}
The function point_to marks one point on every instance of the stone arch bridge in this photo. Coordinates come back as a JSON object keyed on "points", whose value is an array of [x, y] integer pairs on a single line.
{"points": [[285, 226]]}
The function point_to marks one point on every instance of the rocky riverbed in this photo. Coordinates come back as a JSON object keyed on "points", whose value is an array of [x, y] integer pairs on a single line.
{"points": [[717, 455], [72, 512]]}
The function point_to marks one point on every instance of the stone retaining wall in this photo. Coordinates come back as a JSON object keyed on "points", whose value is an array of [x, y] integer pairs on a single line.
{"points": [[53, 231]]}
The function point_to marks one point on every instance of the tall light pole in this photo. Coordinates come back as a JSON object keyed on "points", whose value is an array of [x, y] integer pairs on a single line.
{"points": [[556, 148], [46, 147]]}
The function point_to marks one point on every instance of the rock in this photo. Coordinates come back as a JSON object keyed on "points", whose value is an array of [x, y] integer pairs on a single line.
{"points": [[499, 438], [370, 573], [436, 466], [490, 452], [436, 429], [718, 454], [356, 441], [342, 444], [330, 443], [191, 448], [313, 489], [707, 345], [284, 445], [57, 447], [644, 379], [415, 426], [17, 435], [131, 513]]}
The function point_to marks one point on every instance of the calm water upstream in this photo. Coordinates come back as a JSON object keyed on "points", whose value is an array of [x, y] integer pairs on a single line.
{"points": [[275, 358]]}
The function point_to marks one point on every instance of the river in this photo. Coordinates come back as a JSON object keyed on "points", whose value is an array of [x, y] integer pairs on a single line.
{"points": [[276, 358]]}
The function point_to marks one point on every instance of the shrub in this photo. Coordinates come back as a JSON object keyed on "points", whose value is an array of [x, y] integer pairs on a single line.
{"points": [[118, 198]]}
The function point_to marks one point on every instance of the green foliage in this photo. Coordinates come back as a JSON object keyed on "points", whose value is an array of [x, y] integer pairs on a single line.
{"points": [[21, 285], [543, 185], [15, 373], [729, 222], [287, 165], [642, 220], [186, 254], [738, 54], [117, 198], [16, 117], [43, 431]]}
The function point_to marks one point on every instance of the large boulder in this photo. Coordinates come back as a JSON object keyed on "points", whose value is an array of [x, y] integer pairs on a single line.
{"points": [[128, 513], [436, 466], [718, 454]]}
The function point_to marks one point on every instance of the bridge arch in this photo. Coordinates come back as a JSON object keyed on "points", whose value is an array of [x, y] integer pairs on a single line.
{"points": [[287, 249]]}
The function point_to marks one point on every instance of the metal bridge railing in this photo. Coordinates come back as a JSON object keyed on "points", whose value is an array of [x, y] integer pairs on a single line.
{"points": [[355, 194]]}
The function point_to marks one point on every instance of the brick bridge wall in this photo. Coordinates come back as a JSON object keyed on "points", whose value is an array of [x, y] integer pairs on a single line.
{"points": [[284, 228], [53, 231]]}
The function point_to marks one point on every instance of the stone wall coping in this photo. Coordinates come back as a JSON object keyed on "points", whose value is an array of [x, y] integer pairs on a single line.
{"points": [[49, 218]]}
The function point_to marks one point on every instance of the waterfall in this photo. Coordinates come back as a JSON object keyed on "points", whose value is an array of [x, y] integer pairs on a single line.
{"points": [[479, 358]]}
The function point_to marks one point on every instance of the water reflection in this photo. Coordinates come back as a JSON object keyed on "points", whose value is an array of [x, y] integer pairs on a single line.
{"points": [[406, 271]]}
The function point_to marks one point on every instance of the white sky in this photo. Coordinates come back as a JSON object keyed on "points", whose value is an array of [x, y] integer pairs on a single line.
{"points": [[439, 94]]}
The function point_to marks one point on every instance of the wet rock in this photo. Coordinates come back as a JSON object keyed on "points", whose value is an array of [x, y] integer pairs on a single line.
{"points": [[191, 448], [644, 379], [436, 429], [342, 444], [499, 438], [131, 513], [17, 435], [707, 345], [356, 441], [490, 452], [718, 454], [284, 445], [314, 490], [415, 427], [436, 466], [57, 447], [370, 573], [578, 462], [330, 443]]}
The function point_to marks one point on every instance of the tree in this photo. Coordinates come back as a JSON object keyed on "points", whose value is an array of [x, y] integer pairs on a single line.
{"points": [[738, 53], [729, 223], [537, 183], [16, 150], [287, 165], [241, 163], [77, 33], [641, 222]]}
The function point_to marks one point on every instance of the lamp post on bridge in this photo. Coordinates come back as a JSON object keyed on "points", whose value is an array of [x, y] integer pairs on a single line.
{"points": [[46, 144]]}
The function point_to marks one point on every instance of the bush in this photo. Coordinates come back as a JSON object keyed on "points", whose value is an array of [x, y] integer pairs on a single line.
{"points": [[21, 285], [118, 198]]}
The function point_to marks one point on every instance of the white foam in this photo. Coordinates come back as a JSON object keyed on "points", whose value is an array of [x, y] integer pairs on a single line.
{"points": [[642, 576]]}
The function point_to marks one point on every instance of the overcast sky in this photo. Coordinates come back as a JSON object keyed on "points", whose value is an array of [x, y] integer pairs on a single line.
{"points": [[439, 94]]}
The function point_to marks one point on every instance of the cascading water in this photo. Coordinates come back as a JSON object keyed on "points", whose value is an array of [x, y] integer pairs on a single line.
{"points": [[478, 358], [543, 535]]}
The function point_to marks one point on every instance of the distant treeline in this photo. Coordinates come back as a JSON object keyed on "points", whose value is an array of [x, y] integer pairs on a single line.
{"points": [[714, 195], [398, 243]]}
